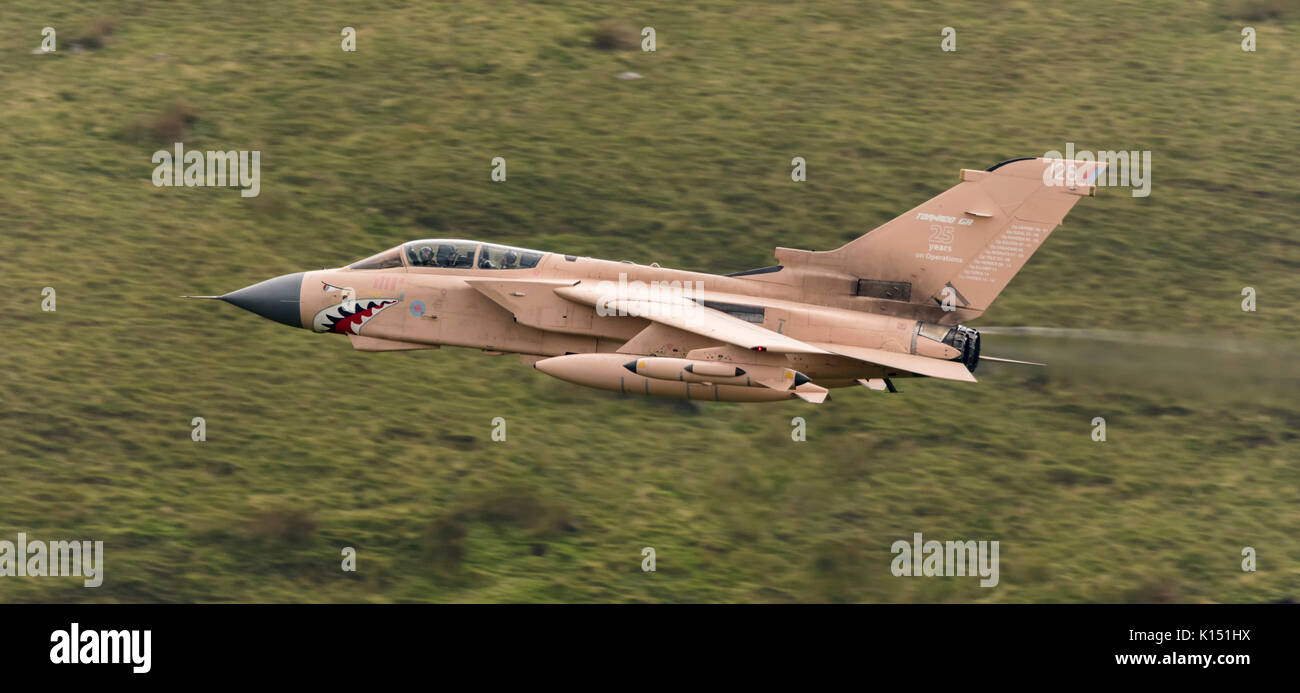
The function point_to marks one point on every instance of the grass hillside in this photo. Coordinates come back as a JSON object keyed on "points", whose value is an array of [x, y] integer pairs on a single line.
{"points": [[313, 447]]}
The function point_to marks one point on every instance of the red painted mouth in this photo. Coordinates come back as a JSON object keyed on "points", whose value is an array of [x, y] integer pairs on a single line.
{"points": [[351, 316]]}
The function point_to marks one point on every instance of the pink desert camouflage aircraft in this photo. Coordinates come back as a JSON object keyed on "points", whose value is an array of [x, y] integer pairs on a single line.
{"points": [[886, 305]]}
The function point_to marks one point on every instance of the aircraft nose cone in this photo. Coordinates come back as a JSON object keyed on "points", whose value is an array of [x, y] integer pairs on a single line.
{"points": [[274, 299]]}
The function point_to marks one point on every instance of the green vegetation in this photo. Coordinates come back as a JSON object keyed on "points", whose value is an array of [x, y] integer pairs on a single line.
{"points": [[312, 446]]}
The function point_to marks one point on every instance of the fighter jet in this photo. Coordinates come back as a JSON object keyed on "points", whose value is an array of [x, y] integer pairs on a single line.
{"points": [[887, 305]]}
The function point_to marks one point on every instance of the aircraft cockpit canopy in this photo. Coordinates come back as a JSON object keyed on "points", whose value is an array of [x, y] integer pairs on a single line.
{"points": [[389, 259], [441, 253], [453, 254]]}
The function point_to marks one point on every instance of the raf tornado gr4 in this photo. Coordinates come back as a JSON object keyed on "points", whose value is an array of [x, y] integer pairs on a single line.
{"points": [[886, 305]]}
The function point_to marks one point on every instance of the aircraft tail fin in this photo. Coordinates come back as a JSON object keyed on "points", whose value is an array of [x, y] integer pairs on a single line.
{"points": [[961, 247]]}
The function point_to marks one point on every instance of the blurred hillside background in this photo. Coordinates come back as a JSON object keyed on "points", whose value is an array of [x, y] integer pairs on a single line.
{"points": [[312, 446]]}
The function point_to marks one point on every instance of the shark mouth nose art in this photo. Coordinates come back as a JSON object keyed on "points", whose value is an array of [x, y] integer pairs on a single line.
{"points": [[350, 316]]}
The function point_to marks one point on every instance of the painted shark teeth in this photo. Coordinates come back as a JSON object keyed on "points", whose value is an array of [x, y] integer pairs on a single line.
{"points": [[349, 317]]}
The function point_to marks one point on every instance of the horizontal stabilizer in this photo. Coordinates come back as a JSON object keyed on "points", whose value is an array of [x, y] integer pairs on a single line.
{"points": [[920, 365]]}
